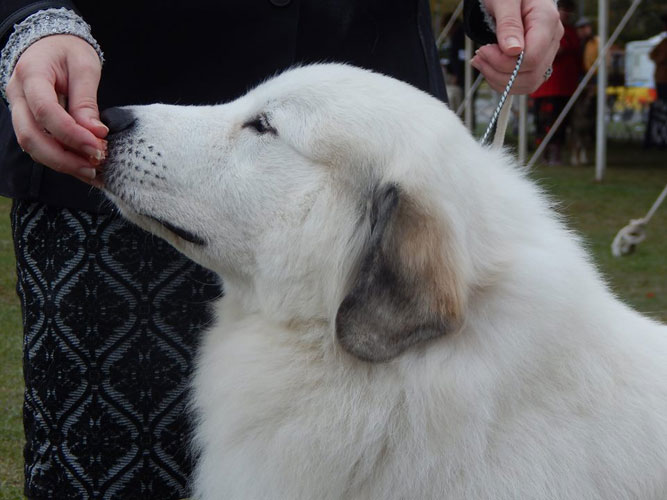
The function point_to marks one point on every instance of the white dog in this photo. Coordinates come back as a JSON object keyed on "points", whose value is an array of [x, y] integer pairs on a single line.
{"points": [[405, 317]]}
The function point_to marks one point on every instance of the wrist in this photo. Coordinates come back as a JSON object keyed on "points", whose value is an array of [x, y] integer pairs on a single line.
{"points": [[35, 27]]}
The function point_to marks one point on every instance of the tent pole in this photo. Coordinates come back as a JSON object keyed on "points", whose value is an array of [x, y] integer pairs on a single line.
{"points": [[467, 116], [601, 126], [523, 132]]}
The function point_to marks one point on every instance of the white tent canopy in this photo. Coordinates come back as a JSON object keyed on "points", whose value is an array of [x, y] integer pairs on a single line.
{"points": [[639, 68]]}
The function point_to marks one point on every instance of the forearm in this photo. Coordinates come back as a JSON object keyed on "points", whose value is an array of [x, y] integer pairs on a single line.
{"points": [[36, 26]]}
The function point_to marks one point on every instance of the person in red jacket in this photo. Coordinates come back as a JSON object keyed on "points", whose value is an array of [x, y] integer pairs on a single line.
{"points": [[552, 96]]}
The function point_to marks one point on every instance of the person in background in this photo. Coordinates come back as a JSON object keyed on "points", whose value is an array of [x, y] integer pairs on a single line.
{"points": [[589, 43], [656, 126], [112, 314], [659, 56], [552, 96], [584, 112]]}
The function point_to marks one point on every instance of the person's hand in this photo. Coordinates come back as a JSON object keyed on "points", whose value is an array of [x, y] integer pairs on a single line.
{"points": [[52, 96], [530, 25]]}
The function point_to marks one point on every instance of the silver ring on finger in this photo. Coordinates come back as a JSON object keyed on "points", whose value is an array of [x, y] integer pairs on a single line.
{"points": [[548, 73]]}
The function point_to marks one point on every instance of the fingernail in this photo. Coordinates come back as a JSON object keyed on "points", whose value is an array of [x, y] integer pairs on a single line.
{"points": [[512, 42], [94, 153], [96, 162], [98, 123], [481, 56], [88, 173]]}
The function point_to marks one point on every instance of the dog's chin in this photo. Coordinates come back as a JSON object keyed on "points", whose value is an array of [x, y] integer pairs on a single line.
{"points": [[176, 235], [184, 234]]}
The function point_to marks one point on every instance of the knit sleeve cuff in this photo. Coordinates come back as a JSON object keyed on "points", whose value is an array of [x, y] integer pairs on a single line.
{"points": [[35, 27], [488, 18]]}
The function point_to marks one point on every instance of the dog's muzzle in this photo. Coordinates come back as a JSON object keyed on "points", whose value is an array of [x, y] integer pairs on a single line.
{"points": [[118, 119]]}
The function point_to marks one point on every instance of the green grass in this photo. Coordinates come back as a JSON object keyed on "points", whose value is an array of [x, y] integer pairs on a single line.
{"points": [[11, 379], [596, 210]]}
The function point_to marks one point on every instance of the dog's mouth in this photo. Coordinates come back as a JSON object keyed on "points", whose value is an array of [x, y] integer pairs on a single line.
{"points": [[184, 234], [180, 232]]}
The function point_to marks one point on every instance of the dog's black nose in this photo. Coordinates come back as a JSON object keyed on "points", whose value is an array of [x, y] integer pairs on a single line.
{"points": [[117, 119]]}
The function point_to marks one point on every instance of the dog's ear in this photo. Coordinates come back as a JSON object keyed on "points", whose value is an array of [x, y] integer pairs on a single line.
{"points": [[406, 290]]}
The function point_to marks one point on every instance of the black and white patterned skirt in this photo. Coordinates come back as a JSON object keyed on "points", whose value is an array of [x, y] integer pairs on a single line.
{"points": [[112, 317]]}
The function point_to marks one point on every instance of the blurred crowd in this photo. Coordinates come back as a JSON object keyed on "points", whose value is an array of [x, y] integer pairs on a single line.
{"points": [[574, 139]]}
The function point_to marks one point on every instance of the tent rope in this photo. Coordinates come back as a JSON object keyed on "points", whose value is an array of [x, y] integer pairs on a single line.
{"points": [[634, 233]]}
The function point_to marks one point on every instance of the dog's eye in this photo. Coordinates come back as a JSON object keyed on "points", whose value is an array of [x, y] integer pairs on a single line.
{"points": [[261, 125]]}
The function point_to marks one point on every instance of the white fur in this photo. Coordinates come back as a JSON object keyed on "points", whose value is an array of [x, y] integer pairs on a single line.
{"points": [[549, 388]]}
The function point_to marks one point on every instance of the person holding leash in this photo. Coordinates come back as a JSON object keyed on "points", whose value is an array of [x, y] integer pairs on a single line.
{"points": [[111, 315]]}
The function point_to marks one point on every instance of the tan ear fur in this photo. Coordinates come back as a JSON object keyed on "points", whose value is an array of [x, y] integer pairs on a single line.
{"points": [[418, 244], [407, 290]]}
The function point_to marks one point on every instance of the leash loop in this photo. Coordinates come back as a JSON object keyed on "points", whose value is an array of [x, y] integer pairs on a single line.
{"points": [[503, 97]]}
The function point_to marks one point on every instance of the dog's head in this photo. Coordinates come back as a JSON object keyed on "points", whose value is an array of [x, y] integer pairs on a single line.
{"points": [[327, 193]]}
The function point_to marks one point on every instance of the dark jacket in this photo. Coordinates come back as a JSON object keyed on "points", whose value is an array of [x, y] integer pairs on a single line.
{"points": [[209, 51], [659, 56]]}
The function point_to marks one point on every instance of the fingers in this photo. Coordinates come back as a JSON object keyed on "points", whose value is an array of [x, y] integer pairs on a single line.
{"points": [[497, 79], [82, 99], [53, 71], [541, 32], [41, 98], [509, 26], [498, 67], [45, 149], [493, 56]]}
